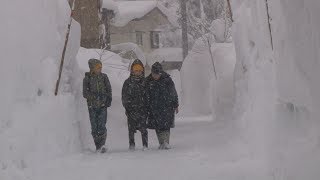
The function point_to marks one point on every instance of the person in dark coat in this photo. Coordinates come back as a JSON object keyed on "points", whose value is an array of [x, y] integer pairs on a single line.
{"points": [[98, 93], [134, 102], [162, 100]]}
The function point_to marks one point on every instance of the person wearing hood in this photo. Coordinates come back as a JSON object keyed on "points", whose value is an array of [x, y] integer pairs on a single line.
{"points": [[163, 103], [98, 93], [134, 101]]}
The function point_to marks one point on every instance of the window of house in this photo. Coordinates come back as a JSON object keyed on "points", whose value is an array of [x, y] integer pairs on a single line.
{"points": [[155, 39], [139, 38]]}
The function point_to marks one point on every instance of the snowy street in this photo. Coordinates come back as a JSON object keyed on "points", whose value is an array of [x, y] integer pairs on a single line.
{"points": [[81, 76], [201, 150], [202, 146]]}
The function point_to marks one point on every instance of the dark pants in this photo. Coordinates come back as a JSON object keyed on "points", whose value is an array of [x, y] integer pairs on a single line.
{"points": [[144, 136], [163, 136], [98, 120]]}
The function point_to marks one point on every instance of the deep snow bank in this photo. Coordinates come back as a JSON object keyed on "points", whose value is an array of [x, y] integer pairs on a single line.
{"points": [[296, 33], [202, 93], [254, 78], [35, 126], [278, 91]]}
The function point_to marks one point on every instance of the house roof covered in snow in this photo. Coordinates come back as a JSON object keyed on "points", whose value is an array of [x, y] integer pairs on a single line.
{"points": [[165, 55], [110, 5], [127, 11]]}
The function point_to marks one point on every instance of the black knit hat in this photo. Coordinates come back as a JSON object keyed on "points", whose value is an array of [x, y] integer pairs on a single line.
{"points": [[156, 68], [93, 62]]}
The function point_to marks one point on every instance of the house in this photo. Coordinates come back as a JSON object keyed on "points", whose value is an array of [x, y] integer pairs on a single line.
{"points": [[139, 22], [170, 58]]}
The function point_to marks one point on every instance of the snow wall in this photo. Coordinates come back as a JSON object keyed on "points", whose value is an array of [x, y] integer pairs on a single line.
{"points": [[36, 126], [277, 92], [203, 92]]}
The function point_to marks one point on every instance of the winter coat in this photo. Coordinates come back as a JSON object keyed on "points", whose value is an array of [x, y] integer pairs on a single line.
{"points": [[97, 90], [162, 101], [134, 100]]}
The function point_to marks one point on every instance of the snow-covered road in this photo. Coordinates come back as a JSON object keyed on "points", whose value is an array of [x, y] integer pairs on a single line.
{"points": [[201, 150]]}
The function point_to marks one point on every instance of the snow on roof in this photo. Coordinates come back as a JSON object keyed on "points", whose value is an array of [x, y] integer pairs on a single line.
{"points": [[110, 5], [172, 16], [130, 10], [130, 47], [165, 55]]}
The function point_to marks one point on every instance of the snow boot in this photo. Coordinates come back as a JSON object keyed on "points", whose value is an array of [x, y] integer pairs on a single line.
{"points": [[161, 147], [103, 149], [144, 136], [167, 140], [167, 137], [132, 147], [100, 141], [145, 148], [166, 146], [160, 137]]}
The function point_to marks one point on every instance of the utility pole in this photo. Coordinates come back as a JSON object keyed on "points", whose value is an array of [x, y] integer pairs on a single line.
{"points": [[64, 50], [184, 26], [230, 10], [269, 23]]}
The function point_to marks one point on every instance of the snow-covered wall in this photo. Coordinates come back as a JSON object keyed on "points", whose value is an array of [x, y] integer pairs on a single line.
{"points": [[204, 94], [34, 124], [296, 34], [277, 92]]}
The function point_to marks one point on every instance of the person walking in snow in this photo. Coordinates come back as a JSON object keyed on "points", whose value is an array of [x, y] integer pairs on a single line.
{"points": [[162, 101], [134, 102], [97, 90]]}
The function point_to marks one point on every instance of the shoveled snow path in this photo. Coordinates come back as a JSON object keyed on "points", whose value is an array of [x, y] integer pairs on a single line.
{"points": [[201, 150]]}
